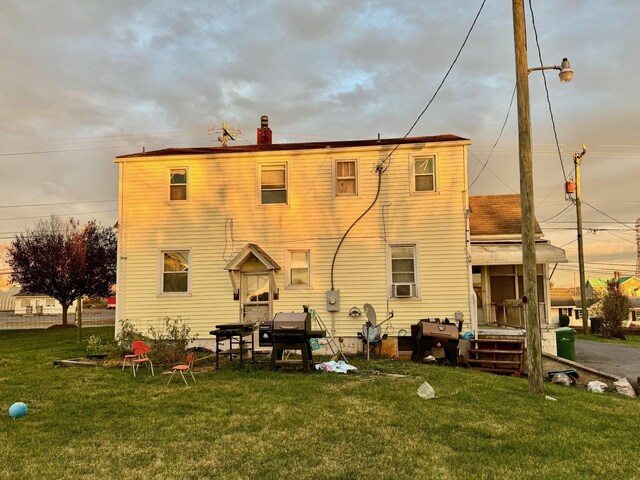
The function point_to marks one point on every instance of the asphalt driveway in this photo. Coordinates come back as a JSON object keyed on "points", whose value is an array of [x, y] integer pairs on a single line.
{"points": [[621, 360]]}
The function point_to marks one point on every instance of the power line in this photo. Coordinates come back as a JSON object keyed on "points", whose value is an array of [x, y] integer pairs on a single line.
{"points": [[621, 238], [493, 173], [557, 214], [546, 89], [387, 159], [66, 214], [504, 124], [609, 216], [57, 203]]}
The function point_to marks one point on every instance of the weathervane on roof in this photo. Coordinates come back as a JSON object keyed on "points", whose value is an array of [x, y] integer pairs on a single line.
{"points": [[225, 133]]}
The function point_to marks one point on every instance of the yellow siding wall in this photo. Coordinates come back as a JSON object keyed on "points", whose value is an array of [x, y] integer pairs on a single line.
{"points": [[223, 191]]}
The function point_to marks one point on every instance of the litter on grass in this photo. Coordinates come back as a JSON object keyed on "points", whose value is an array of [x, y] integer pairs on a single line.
{"points": [[426, 391], [336, 367]]}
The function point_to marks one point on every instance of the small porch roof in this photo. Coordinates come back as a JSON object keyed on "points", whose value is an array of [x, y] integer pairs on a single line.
{"points": [[511, 254], [246, 253]]}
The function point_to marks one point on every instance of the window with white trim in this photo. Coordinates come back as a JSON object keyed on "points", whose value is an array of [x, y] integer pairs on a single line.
{"points": [[424, 174], [346, 177], [50, 302], [273, 183], [298, 268], [404, 271], [177, 184], [175, 271]]}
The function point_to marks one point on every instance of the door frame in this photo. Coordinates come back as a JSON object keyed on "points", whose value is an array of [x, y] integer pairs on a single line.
{"points": [[243, 274]]}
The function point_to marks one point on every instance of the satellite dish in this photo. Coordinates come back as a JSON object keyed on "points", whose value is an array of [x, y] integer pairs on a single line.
{"points": [[370, 312]]}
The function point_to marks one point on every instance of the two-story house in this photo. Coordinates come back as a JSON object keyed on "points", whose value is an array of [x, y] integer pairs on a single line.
{"points": [[238, 233]]}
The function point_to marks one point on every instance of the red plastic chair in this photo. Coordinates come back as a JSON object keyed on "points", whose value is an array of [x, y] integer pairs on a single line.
{"points": [[130, 356], [184, 367], [141, 357]]}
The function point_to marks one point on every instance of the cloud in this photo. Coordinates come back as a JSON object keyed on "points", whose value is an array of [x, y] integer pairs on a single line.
{"points": [[79, 75]]}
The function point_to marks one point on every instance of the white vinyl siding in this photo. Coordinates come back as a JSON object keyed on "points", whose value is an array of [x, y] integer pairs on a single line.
{"points": [[228, 214]]}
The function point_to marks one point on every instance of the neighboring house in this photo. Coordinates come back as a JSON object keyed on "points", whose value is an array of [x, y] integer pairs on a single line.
{"points": [[496, 256], [634, 314], [7, 301], [233, 234], [38, 304], [566, 301], [630, 285]]}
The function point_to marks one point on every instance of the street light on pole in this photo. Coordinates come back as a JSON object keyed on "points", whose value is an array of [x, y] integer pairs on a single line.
{"points": [[529, 264]]}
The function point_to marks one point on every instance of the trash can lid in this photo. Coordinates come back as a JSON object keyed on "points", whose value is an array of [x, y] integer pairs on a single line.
{"points": [[565, 330]]}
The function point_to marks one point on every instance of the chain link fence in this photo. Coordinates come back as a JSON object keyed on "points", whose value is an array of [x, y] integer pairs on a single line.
{"points": [[91, 317]]}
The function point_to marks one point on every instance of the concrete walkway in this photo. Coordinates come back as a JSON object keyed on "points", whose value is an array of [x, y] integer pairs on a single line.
{"points": [[619, 360]]}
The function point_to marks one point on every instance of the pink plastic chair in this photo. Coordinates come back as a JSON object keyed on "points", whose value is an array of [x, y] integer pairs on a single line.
{"points": [[141, 357], [130, 356], [184, 367]]}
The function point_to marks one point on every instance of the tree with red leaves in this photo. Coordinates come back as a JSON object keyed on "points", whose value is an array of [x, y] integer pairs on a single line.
{"points": [[65, 261]]}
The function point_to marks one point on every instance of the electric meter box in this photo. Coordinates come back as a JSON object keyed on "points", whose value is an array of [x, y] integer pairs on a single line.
{"points": [[333, 300]]}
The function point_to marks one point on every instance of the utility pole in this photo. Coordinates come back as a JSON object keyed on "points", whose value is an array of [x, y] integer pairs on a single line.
{"points": [[530, 299], [583, 297]]}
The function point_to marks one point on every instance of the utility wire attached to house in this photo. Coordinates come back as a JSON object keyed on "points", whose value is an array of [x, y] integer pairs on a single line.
{"points": [[383, 165], [387, 160]]}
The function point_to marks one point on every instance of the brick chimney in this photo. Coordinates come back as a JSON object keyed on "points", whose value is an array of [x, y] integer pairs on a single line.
{"points": [[617, 275], [264, 132]]}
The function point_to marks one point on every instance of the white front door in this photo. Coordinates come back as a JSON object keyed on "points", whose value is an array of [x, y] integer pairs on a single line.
{"points": [[256, 297]]}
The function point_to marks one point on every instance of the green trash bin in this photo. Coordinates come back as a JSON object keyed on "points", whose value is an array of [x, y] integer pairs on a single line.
{"points": [[566, 343]]}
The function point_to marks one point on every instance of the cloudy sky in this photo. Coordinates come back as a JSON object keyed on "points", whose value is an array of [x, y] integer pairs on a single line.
{"points": [[85, 81]]}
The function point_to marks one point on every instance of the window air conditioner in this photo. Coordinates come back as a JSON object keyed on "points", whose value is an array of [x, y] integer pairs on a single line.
{"points": [[402, 290]]}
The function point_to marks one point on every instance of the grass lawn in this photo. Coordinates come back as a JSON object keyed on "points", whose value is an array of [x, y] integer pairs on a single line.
{"points": [[101, 423], [633, 340]]}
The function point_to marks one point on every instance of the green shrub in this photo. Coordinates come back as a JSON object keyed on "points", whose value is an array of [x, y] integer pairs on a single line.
{"points": [[563, 320], [95, 346], [127, 334], [168, 345]]}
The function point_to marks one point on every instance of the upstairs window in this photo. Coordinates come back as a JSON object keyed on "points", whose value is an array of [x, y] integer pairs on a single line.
{"points": [[403, 271], [346, 177], [299, 268], [177, 184], [273, 183], [175, 271], [424, 174]]}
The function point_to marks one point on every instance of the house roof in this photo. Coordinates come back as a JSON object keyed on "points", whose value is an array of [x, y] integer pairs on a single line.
{"points": [[294, 146], [6, 298], [497, 215], [252, 249], [565, 297], [495, 253], [23, 293], [602, 282]]}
